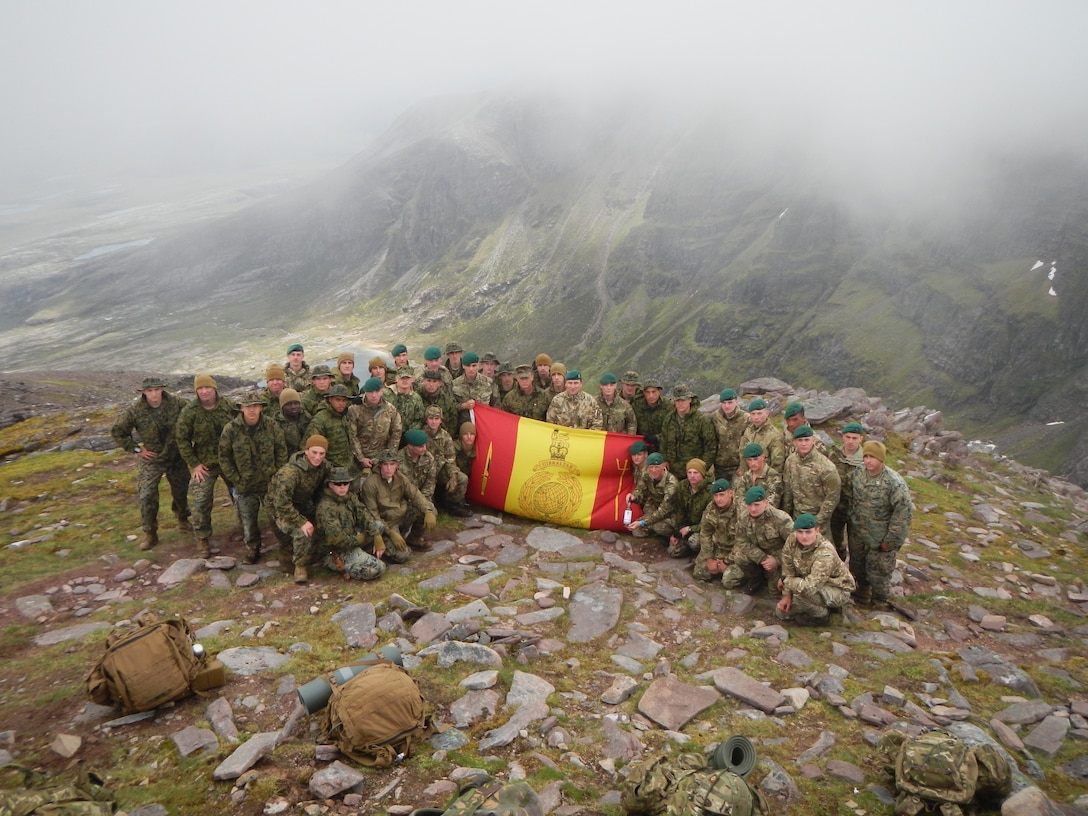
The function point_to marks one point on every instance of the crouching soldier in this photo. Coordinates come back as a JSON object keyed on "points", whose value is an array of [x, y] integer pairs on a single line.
{"points": [[716, 533], [293, 495], [391, 498], [757, 553], [347, 531], [655, 493], [814, 579]]}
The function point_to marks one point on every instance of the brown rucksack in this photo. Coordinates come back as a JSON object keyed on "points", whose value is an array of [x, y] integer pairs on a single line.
{"points": [[145, 668]]}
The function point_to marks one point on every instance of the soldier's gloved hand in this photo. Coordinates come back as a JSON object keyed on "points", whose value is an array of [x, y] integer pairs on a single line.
{"points": [[430, 521], [397, 540], [379, 546]]}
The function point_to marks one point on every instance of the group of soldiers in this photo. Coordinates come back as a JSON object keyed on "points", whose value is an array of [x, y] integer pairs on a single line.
{"points": [[351, 470]]}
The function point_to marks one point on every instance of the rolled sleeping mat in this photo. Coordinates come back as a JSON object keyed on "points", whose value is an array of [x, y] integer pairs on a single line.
{"points": [[736, 754], [316, 694]]}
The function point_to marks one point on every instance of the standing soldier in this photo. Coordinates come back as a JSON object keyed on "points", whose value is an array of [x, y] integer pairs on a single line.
{"points": [[880, 517], [716, 533], [199, 427], [814, 579], [630, 386], [574, 408], [655, 493], [730, 422], [686, 434], [845, 459], [761, 430], [374, 425], [811, 483], [275, 381], [313, 398], [489, 365], [542, 371], [757, 553], [651, 408], [503, 385], [345, 373], [434, 393], [400, 359], [293, 495], [297, 370], [345, 529], [293, 421], [454, 362], [332, 424], [407, 402], [251, 450], [619, 416], [471, 387], [432, 361], [153, 417], [526, 400]]}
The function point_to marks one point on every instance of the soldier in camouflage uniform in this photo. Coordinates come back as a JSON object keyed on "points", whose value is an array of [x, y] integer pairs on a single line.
{"points": [[400, 360], [407, 402], [880, 517], [417, 463], [619, 416], [293, 421], [465, 450], [761, 430], [757, 550], [574, 408], [293, 495], [489, 365], [379, 370], [651, 408], [454, 362], [794, 417], [638, 453], [451, 482], [391, 498], [845, 459], [345, 373], [297, 370], [432, 361], [716, 533], [692, 497], [730, 422], [471, 388], [374, 426], [542, 372], [811, 483], [685, 433], [655, 493], [558, 385], [251, 450], [630, 387], [814, 579], [199, 427], [313, 398], [275, 381], [434, 393], [526, 400], [756, 471], [153, 417], [502, 385], [333, 424], [347, 531]]}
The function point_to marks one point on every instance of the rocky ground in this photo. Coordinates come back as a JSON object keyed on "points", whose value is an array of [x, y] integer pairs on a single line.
{"points": [[560, 656]]}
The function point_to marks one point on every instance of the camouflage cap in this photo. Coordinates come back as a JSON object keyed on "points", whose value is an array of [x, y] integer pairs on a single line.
{"points": [[720, 486], [275, 372], [433, 410], [338, 390], [637, 447], [289, 395], [793, 409], [752, 450], [152, 382], [489, 357], [758, 404], [652, 382], [727, 394], [399, 348], [754, 494], [204, 381], [805, 521], [802, 432], [631, 378], [608, 378], [655, 459], [415, 437], [470, 358], [340, 475], [432, 353], [505, 368], [453, 347], [682, 392], [523, 372], [320, 371], [387, 455], [405, 371], [372, 384], [294, 347], [853, 427], [431, 374]]}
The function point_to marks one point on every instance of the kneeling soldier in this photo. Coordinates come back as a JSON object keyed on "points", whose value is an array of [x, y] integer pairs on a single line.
{"points": [[814, 579], [342, 522]]}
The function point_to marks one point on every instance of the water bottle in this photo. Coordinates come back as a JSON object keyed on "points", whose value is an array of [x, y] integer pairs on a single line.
{"points": [[627, 515]]}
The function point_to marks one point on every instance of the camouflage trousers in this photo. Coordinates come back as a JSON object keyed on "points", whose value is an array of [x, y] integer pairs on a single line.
{"points": [[148, 477], [452, 485], [872, 568], [817, 604], [201, 501], [684, 546], [356, 563], [303, 548], [658, 528], [701, 573], [248, 507], [742, 571]]}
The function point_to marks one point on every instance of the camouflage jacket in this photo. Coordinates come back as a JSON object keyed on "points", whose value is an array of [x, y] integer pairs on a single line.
{"points": [[271, 403], [295, 489], [772, 440], [649, 418], [717, 530], [444, 400], [845, 465], [341, 519], [447, 380], [689, 505], [352, 383], [389, 501], [294, 433], [337, 430], [423, 472], [198, 431], [756, 538], [153, 426], [811, 485], [313, 401], [683, 438], [249, 456], [411, 409], [465, 458], [299, 381], [808, 569], [619, 417], [657, 499], [440, 446], [770, 480], [373, 428], [880, 508], [533, 405], [729, 430], [577, 411], [479, 389]]}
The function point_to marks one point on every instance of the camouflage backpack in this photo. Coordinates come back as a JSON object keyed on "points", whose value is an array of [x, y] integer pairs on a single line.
{"points": [[24, 791], [484, 796], [664, 785]]}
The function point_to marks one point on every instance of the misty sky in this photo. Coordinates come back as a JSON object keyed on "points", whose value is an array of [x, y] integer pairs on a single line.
{"points": [[207, 86]]}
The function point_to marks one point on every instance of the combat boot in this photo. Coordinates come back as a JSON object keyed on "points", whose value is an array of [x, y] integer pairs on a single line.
{"points": [[253, 554], [203, 548], [460, 510], [185, 525], [302, 575], [150, 540], [863, 596]]}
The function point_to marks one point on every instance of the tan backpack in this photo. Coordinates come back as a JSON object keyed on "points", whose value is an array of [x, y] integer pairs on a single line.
{"points": [[378, 716], [145, 668]]}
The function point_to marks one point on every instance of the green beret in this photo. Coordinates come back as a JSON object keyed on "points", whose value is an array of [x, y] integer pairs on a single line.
{"points": [[752, 450], [793, 409], [720, 486], [637, 447], [387, 455], [415, 437], [432, 353], [758, 404], [655, 459], [340, 475], [608, 378], [727, 394], [802, 432], [754, 494], [853, 427], [574, 374], [805, 521], [294, 347], [321, 371], [399, 348], [152, 382], [372, 384], [470, 358]]}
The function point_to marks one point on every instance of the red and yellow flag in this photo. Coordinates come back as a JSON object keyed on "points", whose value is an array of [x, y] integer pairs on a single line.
{"points": [[546, 472]]}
